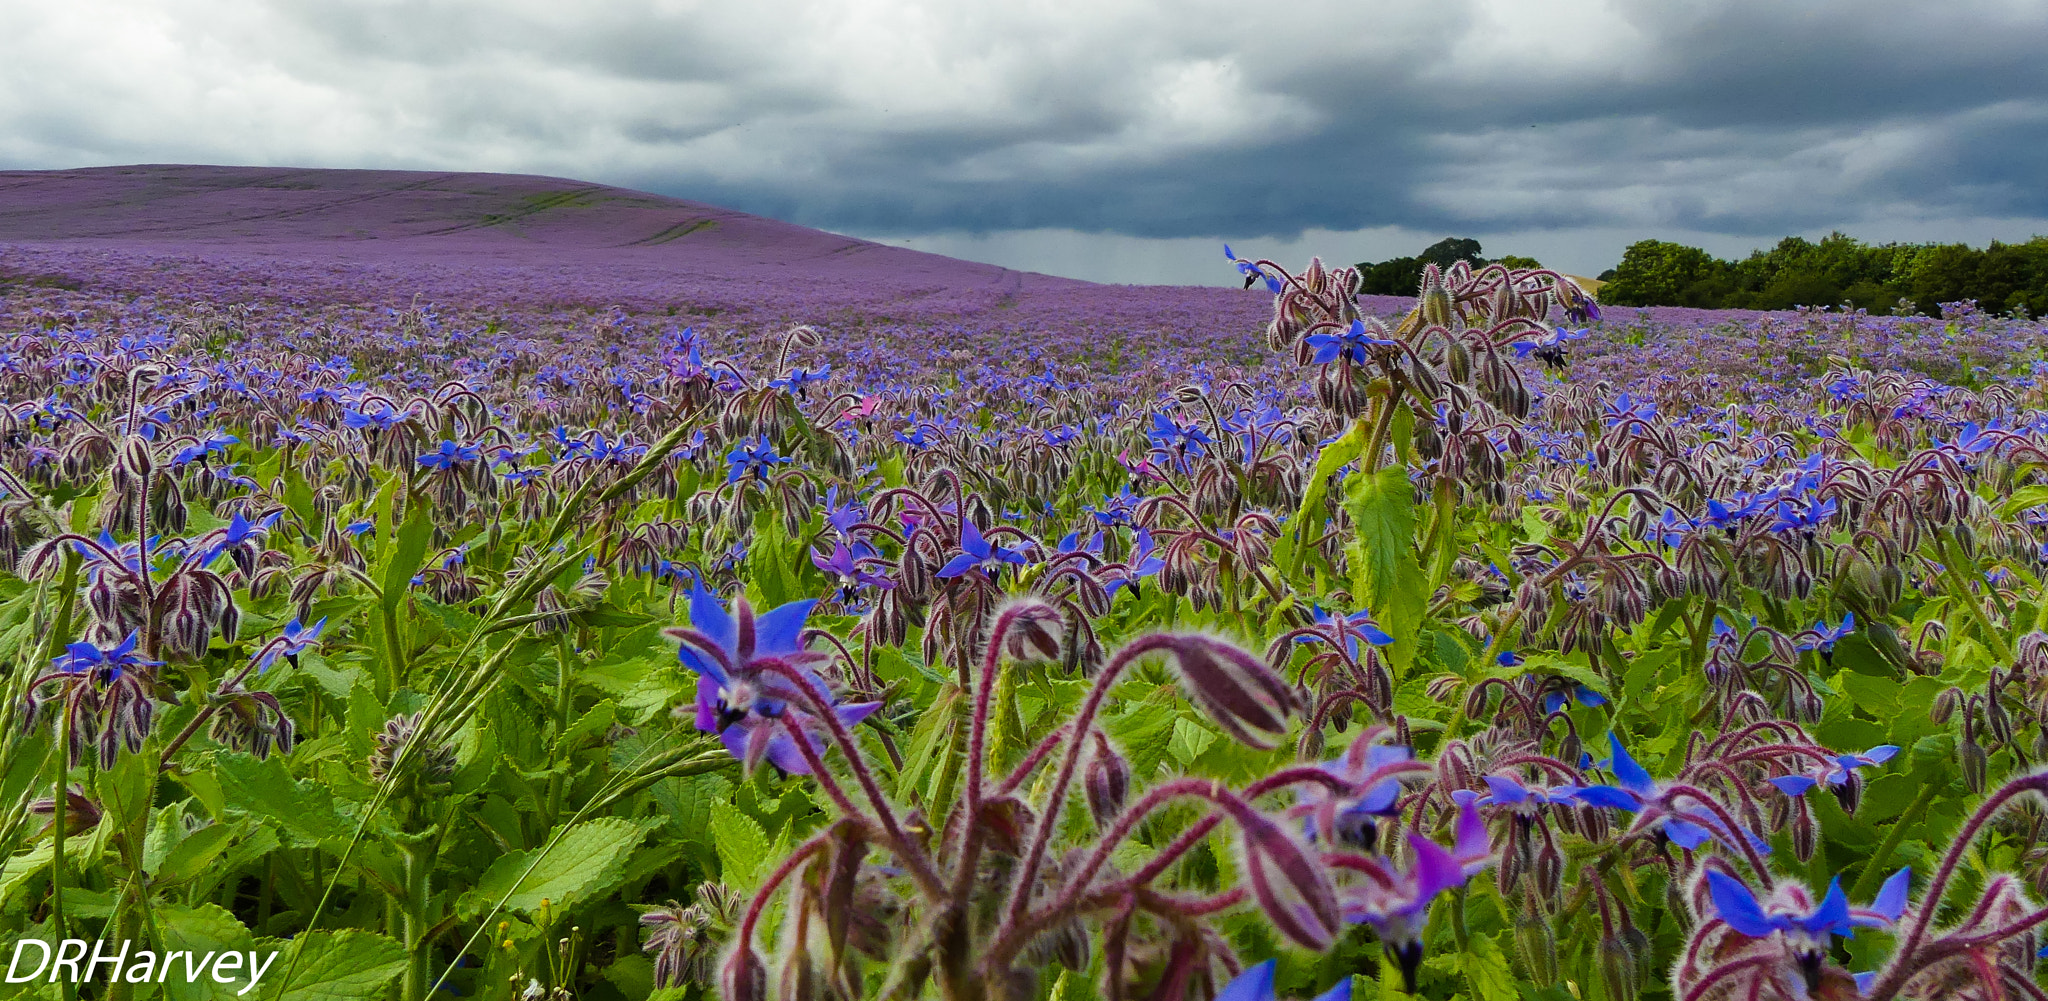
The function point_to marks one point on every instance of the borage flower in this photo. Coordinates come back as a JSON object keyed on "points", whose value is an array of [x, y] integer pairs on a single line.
{"points": [[1395, 902], [844, 564], [749, 670], [977, 554], [1808, 928], [1355, 343], [451, 454], [1639, 793]]}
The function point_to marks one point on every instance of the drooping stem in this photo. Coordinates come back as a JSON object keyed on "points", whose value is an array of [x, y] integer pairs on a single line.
{"points": [[1083, 724]]}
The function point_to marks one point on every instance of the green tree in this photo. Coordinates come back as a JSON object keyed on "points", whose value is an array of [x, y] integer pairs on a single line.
{"points": [[1657, 273]]}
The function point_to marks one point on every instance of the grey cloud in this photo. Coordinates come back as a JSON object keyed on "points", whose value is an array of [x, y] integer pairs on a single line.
{"points": [[1142, 121]]}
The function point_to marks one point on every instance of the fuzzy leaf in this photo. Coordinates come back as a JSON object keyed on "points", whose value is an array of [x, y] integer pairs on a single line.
{"points": [[589, 859], [742, 847], [209, 928], [1384, 572], [342, 966], [263, 789], [1145, 731]]}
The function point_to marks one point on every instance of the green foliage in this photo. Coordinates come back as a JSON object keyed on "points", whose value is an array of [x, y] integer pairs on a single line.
{"points": [[1401, 275], [1838, 269]]}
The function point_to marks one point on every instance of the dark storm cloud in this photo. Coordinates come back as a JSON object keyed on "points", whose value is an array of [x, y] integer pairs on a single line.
{"points": [[1139, 119]]}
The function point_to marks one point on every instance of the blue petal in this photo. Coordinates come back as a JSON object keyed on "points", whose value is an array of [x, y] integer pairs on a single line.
{"points": [[1609, 796], [1553, 702], [1380, 798], [1832, 916], [1881, 753], [1254, 984], [959, 565], [1631, 774], [1436, 870], [1793, 785], [1891, 898], [1685, 834], [1589, 697], [1736, 905], [1341, 992], [710, 617], [781, 631], [1506, 790], [971, 540]]}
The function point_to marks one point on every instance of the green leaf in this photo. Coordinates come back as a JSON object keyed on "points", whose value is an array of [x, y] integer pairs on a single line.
{"points": [[2022, 499], [263, 789], [196, 852], [1384, 572], [298, 495], [1308, 519], [597, 720], [1551, 664], [1145, 731], [589, 858], [1190, 739], [742, 848], [1486, 970], [1877, 696], [404, 558], [341, 966], [127, 788], [208, 928]]}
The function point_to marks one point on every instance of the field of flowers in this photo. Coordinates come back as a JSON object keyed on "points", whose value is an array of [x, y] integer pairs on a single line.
{"points": [[465, 630]]}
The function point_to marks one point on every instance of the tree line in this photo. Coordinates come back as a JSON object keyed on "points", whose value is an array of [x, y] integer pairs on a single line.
{"points": [[1837, 270]]}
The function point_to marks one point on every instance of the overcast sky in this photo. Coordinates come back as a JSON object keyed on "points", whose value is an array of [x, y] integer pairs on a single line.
{"points": [[1116, 139]]}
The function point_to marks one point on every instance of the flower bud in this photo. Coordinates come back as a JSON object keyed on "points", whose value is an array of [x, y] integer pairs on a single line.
{"points": [[1108, 782], [743, 977], [1030, 627], [1537, 944], [1311, 745], [1621, 967], [1291, 887], [136, 459], [1972, 757], [1236, 689]]}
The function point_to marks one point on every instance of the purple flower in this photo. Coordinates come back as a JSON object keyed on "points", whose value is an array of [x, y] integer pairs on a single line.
{"points": [[1170, 435], [1638, 792], [846, 566], [1351, 628], [450, 455], [296, 639], [978, 554], [1555, 699], [105, 664], [383, 418], [1523, 799], [752, 457], [744, 665], [1822, 637], [1136, 567], [1837, 774], [1371, 770], [1355, 344], [1396, 903], [1808, 927]]}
